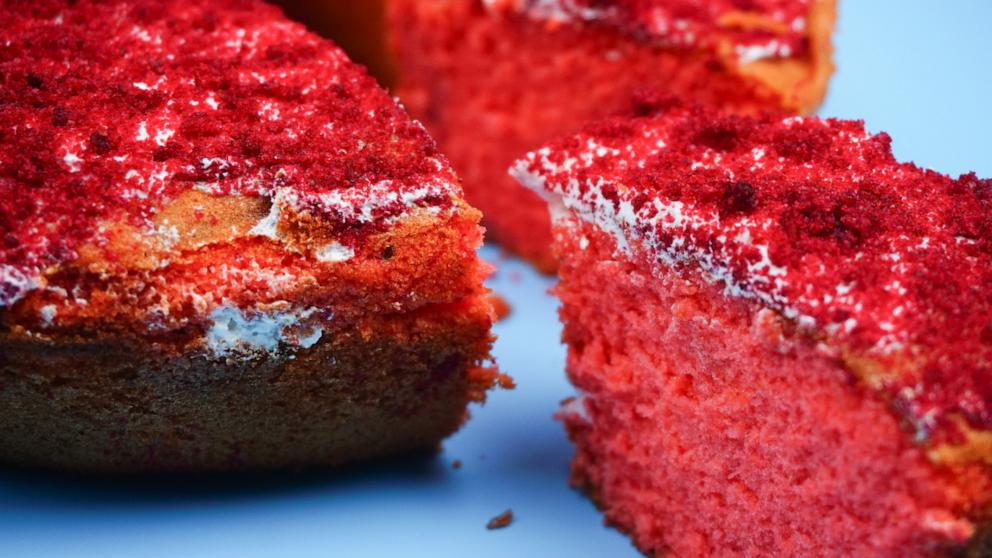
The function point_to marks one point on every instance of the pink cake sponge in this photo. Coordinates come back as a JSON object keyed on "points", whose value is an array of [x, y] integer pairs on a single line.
{"points": [[779, 334]]}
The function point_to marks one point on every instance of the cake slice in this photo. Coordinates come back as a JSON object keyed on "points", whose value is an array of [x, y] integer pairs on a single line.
{"points": [[492, 79], [780, 336], [222, 246]]}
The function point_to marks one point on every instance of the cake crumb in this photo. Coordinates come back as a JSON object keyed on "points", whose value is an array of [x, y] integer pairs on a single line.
{"points": [[501, 521], [456, 464], [501, 307], [492, 376]]}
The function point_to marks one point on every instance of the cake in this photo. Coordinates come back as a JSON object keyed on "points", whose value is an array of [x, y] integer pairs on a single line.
{"points": [[222, 246], [780, 335], [492, 79]]}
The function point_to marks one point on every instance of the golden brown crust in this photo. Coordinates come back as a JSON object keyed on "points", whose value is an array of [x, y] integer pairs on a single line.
{"points": [[972, 448], [801, 83]]}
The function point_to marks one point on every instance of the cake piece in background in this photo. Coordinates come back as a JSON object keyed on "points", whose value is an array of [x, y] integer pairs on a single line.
{"points": [[222, 246], [780, 336], [493, 79]]}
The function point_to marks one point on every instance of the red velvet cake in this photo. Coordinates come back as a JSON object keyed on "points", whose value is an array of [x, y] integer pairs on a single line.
{"points": [[222, 246], [492, 79], [781, 336]]}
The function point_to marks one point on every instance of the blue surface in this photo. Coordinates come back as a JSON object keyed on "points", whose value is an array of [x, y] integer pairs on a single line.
{"points": [[917, 69]]}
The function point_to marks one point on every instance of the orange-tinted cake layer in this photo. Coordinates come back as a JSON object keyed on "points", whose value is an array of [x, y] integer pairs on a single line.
{"points": [[791, 355], [222, 194], [494, 79]]}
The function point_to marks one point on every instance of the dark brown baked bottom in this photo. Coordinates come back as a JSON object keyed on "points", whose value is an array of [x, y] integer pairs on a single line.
{"points": [[386, 386]]}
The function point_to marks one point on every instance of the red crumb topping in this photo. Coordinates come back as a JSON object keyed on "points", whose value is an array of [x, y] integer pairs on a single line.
{"points": [[689, 23], [110, 109], [814, 218]]}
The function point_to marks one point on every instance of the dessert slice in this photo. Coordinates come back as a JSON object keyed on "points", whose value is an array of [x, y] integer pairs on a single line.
{"points": [[492, 79], [222, 246], [781, 336]]}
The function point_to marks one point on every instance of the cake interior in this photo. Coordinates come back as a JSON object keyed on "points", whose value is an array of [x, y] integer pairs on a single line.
{"points": [[706, 428]]}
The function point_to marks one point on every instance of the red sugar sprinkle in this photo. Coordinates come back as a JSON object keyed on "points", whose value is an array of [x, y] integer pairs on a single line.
{"points": [[814, 218], [110, 109]]}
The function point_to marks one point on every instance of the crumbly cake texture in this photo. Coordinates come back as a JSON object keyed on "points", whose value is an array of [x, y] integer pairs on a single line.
{"points": [[197, 195], [494, 79], [795, 329]]}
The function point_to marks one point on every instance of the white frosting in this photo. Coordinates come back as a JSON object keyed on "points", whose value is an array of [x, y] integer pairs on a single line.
{"points": [[670, 230], [621, 222], [576, 407], [72, 161], [269, 225], [747, 54], [361, 204], [335, 252], [232, 331], [48, 313], [14, 284], [552, 10]]}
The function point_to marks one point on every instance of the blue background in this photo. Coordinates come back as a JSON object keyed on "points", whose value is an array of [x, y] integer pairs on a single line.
{"points": [[918, 69]]}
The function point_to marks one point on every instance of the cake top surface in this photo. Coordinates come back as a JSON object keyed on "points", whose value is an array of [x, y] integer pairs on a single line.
{"points": [[813, 218], [109, 110], [756, 29]]}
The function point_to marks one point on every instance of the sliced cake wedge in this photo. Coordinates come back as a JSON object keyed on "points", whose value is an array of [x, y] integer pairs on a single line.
{"points": [[780, 335], [222, 246]]}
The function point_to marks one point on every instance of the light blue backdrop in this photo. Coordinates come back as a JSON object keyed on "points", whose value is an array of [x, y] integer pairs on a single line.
{"points": [[918, 69]]}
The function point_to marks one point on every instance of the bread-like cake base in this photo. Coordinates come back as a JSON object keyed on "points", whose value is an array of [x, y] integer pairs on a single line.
{"points": [[492, 86], [383, 387], [706, 429]]}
